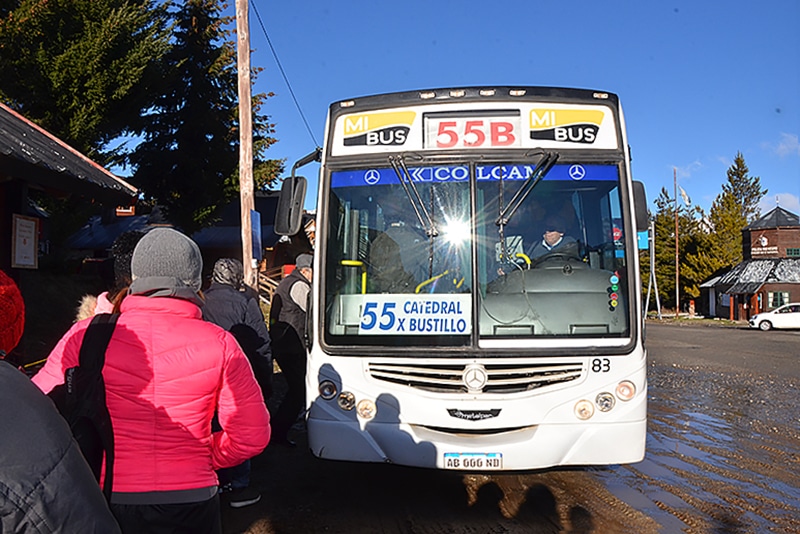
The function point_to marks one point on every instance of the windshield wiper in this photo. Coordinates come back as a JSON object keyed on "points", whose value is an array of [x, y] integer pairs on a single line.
{"points": [[542, 168], [400, 168]]}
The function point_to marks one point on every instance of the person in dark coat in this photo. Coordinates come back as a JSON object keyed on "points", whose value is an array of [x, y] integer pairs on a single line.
{"points": [[229, 307], [287, 319], [554, 240], [46, 486]]}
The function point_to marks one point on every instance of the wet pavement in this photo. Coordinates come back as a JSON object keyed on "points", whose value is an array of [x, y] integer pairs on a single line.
{"points": [[723, 456], [723, 445]]}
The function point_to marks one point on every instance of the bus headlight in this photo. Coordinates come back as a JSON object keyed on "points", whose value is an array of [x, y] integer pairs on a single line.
{"points": [[347, 401], [584, 409], [366, 409], [327, 389], [605, 401], [626, 390]]}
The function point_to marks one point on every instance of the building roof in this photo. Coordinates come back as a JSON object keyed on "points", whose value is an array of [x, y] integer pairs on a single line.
{"points": [[227, 232], [711, 282], [99, 233], [748, 276], [777, 218], [29, 151]]}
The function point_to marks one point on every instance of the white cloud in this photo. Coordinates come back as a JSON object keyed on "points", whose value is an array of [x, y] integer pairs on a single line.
{"points": [[789, 145], [687, 170], [787, 201]]}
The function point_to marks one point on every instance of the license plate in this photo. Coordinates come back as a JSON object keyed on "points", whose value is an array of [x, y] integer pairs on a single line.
{"points": [[473, 460]]}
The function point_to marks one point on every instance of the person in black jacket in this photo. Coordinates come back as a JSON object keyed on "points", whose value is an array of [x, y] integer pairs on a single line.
{"points": [[287, 320], [46, 486], [228, 306]]}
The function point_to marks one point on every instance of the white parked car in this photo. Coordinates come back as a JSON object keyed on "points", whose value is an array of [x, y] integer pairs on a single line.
{"points": [[786, 316]]}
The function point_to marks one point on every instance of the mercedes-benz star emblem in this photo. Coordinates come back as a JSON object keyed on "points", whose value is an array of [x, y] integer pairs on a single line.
{"points": [[475, 377], [577, 172], [372, 176]]}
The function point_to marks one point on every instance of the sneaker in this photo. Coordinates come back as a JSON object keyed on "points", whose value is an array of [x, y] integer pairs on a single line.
{"points": [[239, 498]]}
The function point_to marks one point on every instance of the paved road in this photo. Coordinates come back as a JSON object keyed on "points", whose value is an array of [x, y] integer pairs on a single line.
{"points": [[723, 455], [726, 348]]}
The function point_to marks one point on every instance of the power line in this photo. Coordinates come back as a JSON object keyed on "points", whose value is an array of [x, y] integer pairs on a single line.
{"points": [[280, 67]]}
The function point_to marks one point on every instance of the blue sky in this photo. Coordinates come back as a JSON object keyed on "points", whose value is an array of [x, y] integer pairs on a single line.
{"points": [[699, 80]]}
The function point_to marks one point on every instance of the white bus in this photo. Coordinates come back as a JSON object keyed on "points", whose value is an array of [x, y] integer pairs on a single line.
{"points": [[438, 335]]}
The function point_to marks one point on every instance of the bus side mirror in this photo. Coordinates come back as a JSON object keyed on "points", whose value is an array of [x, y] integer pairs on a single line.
{"points": [[289, 215], [640, 205]]}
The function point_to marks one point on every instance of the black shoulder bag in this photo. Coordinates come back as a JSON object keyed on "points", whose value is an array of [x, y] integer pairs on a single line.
{"points": [[81, 400]]}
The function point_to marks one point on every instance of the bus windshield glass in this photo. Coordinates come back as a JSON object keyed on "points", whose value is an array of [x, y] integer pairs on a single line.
{"points": [[468, 252]]}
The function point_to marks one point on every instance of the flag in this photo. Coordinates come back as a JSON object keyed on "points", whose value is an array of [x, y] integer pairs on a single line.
{"points": [[685, 197]]}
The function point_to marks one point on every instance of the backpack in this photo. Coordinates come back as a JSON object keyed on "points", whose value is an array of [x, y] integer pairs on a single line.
{"points": [[81, 400]]}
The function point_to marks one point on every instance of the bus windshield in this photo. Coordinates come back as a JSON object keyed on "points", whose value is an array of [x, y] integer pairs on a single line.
{"points": [[466, 253]]}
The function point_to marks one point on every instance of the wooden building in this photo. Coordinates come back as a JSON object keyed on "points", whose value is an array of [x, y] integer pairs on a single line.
{"points": [[32, 158], [769, 274]]}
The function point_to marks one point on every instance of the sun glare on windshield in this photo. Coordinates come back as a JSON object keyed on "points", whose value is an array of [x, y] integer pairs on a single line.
{"points": [[456, 233]]}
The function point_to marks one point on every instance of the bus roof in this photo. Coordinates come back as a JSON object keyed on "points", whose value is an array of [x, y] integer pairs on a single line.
{"points": [[475, 94]]}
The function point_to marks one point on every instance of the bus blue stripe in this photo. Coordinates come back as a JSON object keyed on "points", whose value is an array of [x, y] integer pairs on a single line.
{"points": [[460, 173]]}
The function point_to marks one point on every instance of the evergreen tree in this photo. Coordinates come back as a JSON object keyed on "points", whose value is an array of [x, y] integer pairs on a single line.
{"points": [[189, 157], [690, 236], [696, 265], [664, 245], [745, 189], [82, 69], [731, 211]]}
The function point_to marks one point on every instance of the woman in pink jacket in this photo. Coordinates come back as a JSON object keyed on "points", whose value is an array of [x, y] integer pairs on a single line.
{"points": [[167, 372]]}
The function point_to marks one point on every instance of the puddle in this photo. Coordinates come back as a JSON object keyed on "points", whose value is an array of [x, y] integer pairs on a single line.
{"points": [[719, 458]]}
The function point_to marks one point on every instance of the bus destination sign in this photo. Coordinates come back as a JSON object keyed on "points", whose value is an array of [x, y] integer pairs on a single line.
{"points": [[487, 127]]}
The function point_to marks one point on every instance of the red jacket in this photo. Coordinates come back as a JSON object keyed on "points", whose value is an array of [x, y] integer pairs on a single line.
{"points": [[166, 373]]}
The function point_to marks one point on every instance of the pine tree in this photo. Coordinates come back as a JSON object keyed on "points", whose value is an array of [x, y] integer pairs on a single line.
{"points": [[189, 157], [82, 69], [664, 245], [745, 189], [731, 211], [690, 236]]}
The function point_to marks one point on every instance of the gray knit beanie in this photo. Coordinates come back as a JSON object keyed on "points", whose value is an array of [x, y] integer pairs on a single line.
{"points": [[228, 271], [166, 263]]}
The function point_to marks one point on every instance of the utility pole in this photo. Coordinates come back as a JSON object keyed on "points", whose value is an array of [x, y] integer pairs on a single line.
{"points": [[677, 258], [245, 141]]}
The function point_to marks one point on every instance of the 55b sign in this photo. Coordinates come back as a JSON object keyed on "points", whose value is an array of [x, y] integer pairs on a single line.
{"points": [[452, 130]]}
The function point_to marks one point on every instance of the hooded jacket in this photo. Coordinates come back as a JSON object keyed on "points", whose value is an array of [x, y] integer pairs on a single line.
{"points": [[45, 484], [166, 373], [228, 308], [233, 310]]}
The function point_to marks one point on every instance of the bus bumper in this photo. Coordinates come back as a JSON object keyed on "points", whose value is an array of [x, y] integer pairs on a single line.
{"points": [[535, 447]]}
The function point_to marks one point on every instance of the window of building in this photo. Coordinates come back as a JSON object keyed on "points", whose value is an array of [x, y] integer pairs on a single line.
{"points": [[777, 298], [793, 252]]}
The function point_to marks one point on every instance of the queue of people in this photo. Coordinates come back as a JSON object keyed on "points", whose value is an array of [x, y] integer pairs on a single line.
{"points": [[187, 374]]}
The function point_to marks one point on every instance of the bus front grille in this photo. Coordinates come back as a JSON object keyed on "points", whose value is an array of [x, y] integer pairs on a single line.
{"points": [[499, 378]]}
